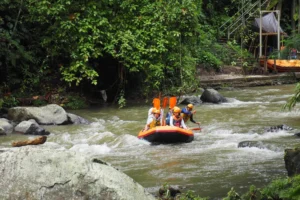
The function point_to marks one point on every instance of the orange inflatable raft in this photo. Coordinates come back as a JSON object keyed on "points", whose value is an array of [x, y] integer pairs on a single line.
{"points": [[283, 65], [167, 134]]}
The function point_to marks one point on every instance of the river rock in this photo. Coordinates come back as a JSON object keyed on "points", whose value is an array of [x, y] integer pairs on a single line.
{"points": [[191, 99], [212, 96], [279, 128], [36, 172], [30, 127], [75, 119], [6, 127], [257, 144], [173, 191], [49, 114], [292, 161], [3, 112], [297, 134]]}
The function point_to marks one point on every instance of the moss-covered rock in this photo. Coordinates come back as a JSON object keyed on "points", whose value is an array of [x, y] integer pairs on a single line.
{"points": [[292, 161]]}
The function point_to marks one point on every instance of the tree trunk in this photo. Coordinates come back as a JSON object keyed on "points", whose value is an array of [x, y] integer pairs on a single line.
{"points": [[279, 5], [293, 24], [35, 141], [298, 16]]}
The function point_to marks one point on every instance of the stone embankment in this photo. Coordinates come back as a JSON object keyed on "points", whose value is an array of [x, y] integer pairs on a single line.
{"points": [[232, 80]]}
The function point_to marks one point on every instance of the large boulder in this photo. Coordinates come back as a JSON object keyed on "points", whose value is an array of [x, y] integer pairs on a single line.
{"points": [[34, 172], [30, 127], [292, 161], [190, 99], [6, 127], [49, 114], [212, 96]]}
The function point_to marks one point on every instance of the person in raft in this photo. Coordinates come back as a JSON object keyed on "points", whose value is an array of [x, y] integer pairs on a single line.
{"points": [[154, 120], [150, 112], [294, 53], [176, 119], [187, 113], [168, 116]]}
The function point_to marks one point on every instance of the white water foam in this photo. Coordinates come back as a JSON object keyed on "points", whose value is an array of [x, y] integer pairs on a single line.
{"points": [[91, 149]]}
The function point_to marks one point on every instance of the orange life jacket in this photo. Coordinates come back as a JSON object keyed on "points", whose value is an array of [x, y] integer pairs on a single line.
{"points": [[155, 122]]}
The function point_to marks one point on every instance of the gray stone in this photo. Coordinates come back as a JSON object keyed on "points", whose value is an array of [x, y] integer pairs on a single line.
{"points": [[191, 99], [257, 144], [49, 114], [292, 161], [212, 96], [75, 119], [23, 126], [50, 174], [6, 127], [30, 127], [279, 128], [35, 129]]}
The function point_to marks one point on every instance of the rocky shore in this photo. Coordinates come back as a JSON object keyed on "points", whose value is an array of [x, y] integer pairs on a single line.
{"points": [[239, 80]]}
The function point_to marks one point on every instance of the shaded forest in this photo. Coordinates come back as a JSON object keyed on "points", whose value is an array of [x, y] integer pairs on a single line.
{"points": [[130, 49]]}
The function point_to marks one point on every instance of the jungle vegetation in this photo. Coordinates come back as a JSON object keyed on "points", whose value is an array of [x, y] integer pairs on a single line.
{"points": [[279, 189], [129, 48]]}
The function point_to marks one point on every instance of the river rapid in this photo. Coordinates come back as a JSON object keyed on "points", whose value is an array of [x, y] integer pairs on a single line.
{"points": [[212, 163]]}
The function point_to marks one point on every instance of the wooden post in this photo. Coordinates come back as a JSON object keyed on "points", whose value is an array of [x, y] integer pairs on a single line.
{"points": [[265, 65], [260, 34], [275, 68]]}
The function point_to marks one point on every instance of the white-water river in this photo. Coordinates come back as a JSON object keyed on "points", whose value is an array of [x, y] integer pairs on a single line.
{"points": [[212, 163]]}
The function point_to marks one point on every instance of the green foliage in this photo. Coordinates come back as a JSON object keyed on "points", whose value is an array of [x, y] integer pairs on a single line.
{"points": [[1, 103], [39, 102], [190, 195], [290, 42], [150, 37], [281, 189], [232, 195], [18, 48], [294, 99], [288, 188], [75, 102], [239, 52], [209, 52], [121, 100], [9, 102], [210, 60], [253, 194]]}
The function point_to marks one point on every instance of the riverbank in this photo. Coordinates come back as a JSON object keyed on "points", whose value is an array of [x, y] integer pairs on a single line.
{"points": [[234, 77]]}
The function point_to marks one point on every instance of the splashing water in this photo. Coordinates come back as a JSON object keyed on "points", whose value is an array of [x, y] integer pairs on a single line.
{"points": [[212, 163]]}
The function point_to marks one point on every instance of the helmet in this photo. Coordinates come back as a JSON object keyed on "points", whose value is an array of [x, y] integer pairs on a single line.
{"points": [[156, 111], [190, 106], [176, 109]]}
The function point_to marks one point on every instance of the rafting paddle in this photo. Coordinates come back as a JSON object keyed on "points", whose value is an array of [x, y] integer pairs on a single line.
{"points": [[164, 105], [172, 102], [165, 102], [196, 129], [156, 103]]}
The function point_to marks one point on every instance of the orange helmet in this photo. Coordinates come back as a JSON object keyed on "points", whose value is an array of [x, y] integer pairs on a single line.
{"points": [[156, 111], [176, 109], [190, 106]]}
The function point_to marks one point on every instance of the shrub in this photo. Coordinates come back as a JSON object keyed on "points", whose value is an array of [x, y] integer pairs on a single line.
{"points": [[9, 102], [75, 102], [39, 102]]}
